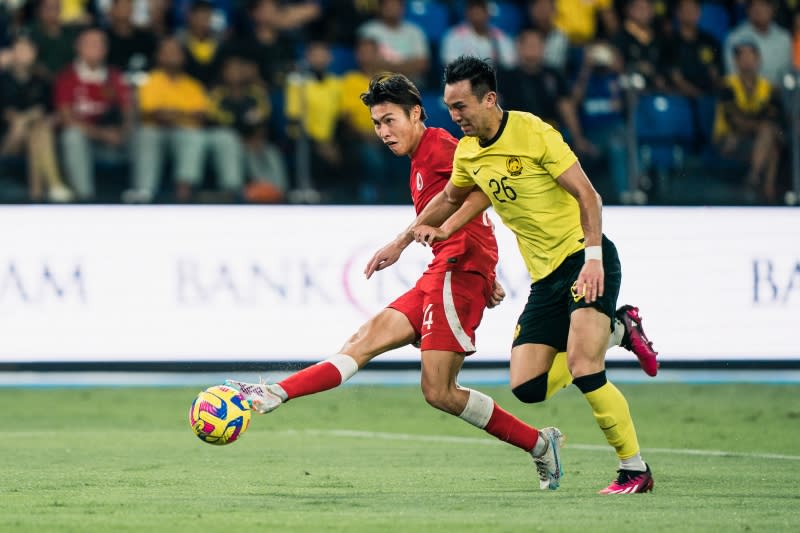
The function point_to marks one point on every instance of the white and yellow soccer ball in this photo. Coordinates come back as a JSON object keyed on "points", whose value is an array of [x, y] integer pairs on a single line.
{"points": [[219, 415]]}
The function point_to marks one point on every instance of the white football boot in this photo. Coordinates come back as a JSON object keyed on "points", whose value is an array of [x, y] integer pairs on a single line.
{"points": [[262, 397], [548, 465]]}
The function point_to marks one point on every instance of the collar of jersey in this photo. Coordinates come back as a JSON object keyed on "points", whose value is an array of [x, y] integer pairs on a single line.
{"points": [[496, 135]]}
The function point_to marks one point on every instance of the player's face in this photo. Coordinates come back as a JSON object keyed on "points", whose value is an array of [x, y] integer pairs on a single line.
{"points": [[472, 114], [397, 130]]}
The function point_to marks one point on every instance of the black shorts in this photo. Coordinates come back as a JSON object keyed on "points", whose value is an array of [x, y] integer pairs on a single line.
{"points": [[545, 319]]}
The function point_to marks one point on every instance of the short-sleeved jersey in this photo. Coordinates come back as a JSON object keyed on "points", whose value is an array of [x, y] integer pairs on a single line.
{"points": [[473, 248], [517, 170]]}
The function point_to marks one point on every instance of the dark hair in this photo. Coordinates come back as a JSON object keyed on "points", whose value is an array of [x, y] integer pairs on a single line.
{"points": [[479, 72], [746, 43], [395, 89], [201, 5]]}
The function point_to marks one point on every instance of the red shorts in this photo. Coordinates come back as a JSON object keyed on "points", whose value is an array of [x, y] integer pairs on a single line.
{"points": [[445, 309]]}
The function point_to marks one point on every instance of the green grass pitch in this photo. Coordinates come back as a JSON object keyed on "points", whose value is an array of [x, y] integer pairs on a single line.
{"points": [[379, 459]]}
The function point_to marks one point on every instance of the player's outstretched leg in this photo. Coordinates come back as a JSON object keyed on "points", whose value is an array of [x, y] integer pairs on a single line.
{"points": [[634, 339], [387, 330], [586, 353], [325, 375], [439, 371]]}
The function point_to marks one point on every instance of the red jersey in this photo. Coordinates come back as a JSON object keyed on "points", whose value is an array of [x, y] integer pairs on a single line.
{"points": [[472, 248], [92, 100]]}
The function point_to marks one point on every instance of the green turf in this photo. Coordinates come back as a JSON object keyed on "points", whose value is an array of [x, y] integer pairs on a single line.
{"points": [[125, 460]]}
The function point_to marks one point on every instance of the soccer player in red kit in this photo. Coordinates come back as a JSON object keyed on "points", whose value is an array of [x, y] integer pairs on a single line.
{"points": [[442, 311]]}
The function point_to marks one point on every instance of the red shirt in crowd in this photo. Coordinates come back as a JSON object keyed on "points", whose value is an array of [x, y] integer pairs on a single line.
{"points": [[91, 95]]}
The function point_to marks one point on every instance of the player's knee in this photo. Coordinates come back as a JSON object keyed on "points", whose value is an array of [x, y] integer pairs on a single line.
{"points": [[532, 391], [439, 397]]}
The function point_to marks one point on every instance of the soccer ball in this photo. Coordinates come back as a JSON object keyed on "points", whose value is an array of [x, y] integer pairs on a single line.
{"points": [[219, 415]]}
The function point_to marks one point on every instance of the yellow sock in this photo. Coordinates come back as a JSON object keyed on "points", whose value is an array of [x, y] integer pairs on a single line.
{"points": [[610, 409], [558, 377]]}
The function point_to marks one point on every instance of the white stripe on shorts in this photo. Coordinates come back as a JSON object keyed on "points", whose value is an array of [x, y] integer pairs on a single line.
{"points": [[452, 315]]}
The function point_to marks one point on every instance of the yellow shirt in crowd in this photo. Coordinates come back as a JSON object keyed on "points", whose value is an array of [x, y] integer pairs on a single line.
{"points": [[578, 18], [315, 103], [182, 93], [352, 108]]}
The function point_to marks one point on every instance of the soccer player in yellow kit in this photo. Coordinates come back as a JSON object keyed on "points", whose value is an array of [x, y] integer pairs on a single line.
{"points": [[536, 185]]}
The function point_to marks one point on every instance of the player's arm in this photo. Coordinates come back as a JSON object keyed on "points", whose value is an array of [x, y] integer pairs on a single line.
{"points": [[473, 204], [575, 182], [437, 211]]}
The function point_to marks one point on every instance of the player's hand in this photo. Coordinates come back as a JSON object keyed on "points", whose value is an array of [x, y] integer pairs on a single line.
{"points": [[384, 258], [427, 235], [590, 280], [498, 293]]}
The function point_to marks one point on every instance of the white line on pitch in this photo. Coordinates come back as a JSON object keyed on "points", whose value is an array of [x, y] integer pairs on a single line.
{"points": [[486, 441]]}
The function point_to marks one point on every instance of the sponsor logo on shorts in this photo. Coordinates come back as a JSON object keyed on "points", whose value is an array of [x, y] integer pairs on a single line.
{"points": [[517, 331], [574, 290]]}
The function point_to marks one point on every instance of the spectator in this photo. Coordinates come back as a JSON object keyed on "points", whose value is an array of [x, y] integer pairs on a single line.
{"points": [[578, 19], [267, 47], [200, 45], [130, 49], [174, 108], [403, 45], [476, 37], [541, 17], [638, 44], [55, 42], [312, 107], [774, 42], [159, 18], [240, 104], [95, 109], [748, 121], [597, 91], [536, 88], [28, 123], [382, 174], [694, 56], [342, 19]]}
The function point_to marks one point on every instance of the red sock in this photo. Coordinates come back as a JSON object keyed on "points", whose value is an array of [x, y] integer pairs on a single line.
{"points": [[316, 378], [511, 429]]}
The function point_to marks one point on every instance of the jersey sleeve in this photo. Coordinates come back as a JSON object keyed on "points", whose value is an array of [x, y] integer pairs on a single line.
{"points": [[460, 177], [557, 156]]}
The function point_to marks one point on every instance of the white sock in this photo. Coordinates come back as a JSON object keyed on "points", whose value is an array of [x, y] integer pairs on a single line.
{"points": [[615, 339], [478, 410], [277, 389], [345, 364], [633, 463], [540, 447]]}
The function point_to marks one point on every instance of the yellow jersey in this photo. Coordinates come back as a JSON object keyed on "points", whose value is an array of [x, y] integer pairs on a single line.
{"points": [[517, 170], [314, 103], [351, 107], [182, 93], [755, 104]]}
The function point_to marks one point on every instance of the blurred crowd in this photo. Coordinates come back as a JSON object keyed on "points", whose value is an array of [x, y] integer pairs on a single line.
{"points": [[140, 101]]}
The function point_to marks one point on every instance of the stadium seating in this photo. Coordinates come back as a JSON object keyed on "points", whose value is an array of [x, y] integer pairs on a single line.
{"points": [[432, 17], [343, 59], [664, 128], [506, 16], [438, 116], [714, 19]]}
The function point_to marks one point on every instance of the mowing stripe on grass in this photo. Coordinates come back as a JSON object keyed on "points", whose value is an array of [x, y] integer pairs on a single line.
{"points": [[349, 433]]}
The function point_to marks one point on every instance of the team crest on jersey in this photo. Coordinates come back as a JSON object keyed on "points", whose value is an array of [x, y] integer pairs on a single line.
{"points": [[419, 181], [514, 165]]}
